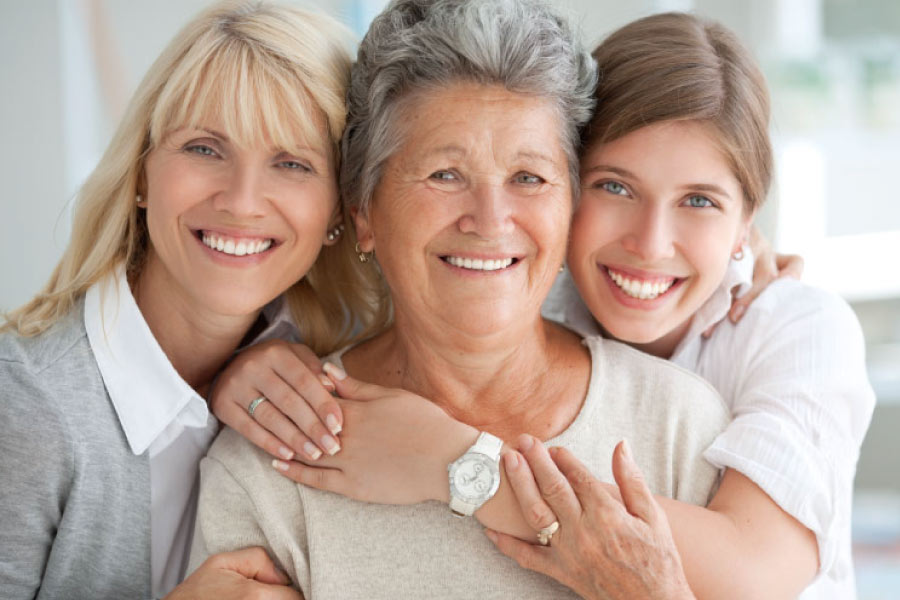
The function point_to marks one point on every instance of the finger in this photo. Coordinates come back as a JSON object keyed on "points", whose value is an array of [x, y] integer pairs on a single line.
{"points": [[288, 416], [350, 388], [528, 556], [235, 416], [789, 265], [636, 495], [587, 488], [251, 563], [536, 511], [276, 424], [312, 389], [709, 330], [554, 487], [329, 480]]}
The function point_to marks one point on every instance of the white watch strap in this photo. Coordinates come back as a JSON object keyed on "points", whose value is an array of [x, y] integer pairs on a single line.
{"points": [[487, 444]]}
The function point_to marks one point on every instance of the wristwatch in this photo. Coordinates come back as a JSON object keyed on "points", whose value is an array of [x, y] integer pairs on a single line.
{"points": [[475, 476]]}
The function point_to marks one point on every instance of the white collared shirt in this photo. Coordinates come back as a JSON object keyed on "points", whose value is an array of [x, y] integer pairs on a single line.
{"points": [[160, 414], [793, 373]]}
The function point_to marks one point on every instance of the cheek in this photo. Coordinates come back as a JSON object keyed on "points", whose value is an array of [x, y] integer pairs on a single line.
{"points": [[592, 228]]}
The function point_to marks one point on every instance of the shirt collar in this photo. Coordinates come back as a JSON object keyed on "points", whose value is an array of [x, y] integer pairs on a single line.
{"points": [[147, 392]]}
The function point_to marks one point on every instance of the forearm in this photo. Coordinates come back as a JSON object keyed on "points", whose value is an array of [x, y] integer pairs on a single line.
{"points": [[743, 545]]}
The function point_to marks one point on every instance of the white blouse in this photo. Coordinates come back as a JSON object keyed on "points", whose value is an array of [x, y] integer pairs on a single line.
{"points": [[793, 373]]}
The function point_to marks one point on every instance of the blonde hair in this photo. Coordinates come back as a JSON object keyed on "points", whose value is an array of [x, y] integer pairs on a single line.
{"points": [[675, 66], [270, 73]]}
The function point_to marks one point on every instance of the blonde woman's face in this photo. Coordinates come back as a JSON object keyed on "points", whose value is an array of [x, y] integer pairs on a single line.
{"points": [[661, 213], [231, 228]]}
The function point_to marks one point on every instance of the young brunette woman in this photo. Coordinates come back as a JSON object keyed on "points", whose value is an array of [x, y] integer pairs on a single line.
{"points": [[676, 162], [203, 223]]}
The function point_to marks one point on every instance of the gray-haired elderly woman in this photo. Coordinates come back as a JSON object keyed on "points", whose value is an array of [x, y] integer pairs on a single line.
{"points": [[460, 167]]}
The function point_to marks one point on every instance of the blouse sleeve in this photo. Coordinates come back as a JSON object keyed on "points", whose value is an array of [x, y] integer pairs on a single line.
{"points": [[801, 406]]}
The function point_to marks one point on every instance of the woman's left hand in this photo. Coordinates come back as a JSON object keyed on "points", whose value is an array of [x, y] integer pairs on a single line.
{"points": [[604, 548]]}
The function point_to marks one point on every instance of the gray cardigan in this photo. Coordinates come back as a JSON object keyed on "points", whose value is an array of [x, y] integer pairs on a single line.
{"points": [[74, 499]]}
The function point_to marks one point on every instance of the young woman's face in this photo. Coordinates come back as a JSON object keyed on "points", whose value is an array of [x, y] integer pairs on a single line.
{"points": [[230, 227], [661, 214]]}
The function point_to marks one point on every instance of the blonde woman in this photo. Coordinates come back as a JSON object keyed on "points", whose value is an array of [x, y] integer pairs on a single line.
{"points": [[201, 226]]}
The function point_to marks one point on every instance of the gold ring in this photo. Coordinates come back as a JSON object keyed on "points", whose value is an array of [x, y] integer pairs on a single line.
{"points": [[546, 534]]}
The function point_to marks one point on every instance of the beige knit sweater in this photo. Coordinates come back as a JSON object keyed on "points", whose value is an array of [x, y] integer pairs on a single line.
{"points": [[333, 547]]}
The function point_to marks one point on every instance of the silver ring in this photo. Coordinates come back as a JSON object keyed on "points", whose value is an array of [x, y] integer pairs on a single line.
{"points": [[546, 534], [255, 403]]}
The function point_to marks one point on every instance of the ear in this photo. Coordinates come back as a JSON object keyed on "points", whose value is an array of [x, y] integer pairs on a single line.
{"points": [[335, 227], [743, 232], [364, 234]]}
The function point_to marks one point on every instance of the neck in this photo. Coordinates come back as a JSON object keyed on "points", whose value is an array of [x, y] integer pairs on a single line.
{"points": [[196, 341], [663, 347], [493, 382]]}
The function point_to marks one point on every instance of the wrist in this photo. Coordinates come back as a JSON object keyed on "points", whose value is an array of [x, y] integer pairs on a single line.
{"points": [[452, 441]]}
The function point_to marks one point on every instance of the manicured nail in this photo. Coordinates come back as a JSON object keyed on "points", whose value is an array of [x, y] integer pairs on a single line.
{"points": [[511, 461], [333, 424], [491, 535], [286, 453], [330, 444], [736, 312], [280, 465], [334, 370], [311, 450], [326, 383], [525, 442]]}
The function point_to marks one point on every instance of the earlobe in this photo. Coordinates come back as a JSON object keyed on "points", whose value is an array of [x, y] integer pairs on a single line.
{"points": [[364, 235]]}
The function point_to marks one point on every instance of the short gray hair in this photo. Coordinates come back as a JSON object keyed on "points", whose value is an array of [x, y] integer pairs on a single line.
{"points": [[523, 45]]}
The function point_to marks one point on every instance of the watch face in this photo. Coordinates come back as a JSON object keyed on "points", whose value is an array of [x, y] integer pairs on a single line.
{"points": [[474, 477]]}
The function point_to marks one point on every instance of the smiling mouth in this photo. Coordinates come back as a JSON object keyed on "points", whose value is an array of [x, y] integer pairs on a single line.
{"points": [[480, 264], [642, 289], [234, 246]]}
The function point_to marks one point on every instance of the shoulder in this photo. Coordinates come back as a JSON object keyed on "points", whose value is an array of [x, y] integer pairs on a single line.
{"points": [[789, 302], [233, 457], [65, 343], [627, 370]]}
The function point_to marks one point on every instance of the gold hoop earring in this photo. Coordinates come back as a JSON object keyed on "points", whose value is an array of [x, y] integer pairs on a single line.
{"points": [[363, 256]]}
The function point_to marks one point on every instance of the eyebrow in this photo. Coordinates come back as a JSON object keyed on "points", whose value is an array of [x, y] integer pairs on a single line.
{"points": [[461, 151], [697, 187]]}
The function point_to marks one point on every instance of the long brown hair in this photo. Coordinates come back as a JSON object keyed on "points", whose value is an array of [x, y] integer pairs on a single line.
{"points": [[676, 66]]}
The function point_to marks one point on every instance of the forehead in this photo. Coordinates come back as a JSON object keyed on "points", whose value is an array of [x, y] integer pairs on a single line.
{"points": [[675, 150], [470, 119]]}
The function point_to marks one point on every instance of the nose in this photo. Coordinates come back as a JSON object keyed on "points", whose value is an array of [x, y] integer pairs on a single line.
{"points": [[650, 235], [242, 191], [489, 213]]}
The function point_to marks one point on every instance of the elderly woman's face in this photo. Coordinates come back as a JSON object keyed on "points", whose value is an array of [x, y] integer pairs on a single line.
{"points": [[470, 219]]}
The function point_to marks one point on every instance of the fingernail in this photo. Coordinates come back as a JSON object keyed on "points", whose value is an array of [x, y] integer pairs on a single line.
{"points": [[286, 453], [525, 442], [335, 371], [737, 311], [280, 465], [511, 461], [326, 383], [330, 444], [311, 450], [333, 424], [491, 535]]}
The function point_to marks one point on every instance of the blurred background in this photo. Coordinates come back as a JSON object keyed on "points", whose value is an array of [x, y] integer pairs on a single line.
{"points": [[833, 66]]}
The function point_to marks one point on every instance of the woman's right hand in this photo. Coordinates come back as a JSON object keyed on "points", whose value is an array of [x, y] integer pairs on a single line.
{"points": [[300, 417]]}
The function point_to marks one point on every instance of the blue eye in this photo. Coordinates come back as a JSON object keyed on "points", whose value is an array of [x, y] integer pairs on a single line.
{"points": [[528, 179], [700, 202], [201, 149], [614, 187], [294, 165]]}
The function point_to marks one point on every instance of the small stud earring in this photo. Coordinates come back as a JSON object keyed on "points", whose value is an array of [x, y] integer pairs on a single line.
{"points": [[739, 255], [139, 198], [363, 256], [562, 267], [335, 233]]}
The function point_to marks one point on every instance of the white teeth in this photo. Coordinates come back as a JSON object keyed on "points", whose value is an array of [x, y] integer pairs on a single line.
{"points": [[643, 290], [240, 248], [478, 264]]}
